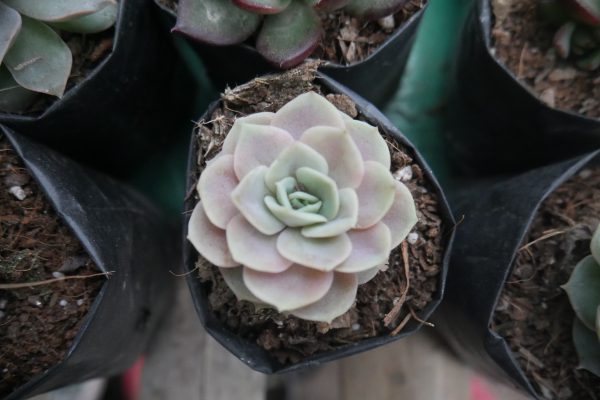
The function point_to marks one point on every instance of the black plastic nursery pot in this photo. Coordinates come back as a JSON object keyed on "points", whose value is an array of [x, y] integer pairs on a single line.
{"points": [[125, 237], [118, 113], [498, 215], [496, 123], [247, 350], [375, 78]]}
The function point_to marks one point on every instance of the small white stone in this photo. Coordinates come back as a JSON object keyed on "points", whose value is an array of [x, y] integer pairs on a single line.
{"points": [[404, 174], [412, 237], [18, 192], [585, 173], [63, 303], [58, 275], [80, 302], [355, 327], [387, 23]]}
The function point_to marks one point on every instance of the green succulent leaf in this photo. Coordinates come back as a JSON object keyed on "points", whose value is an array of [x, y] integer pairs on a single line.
{"points": [[13, 98], [91, 23], [327, 5], [215, 22], [598, 322], [287, 38], [39, 60], [263, 6], [10, 25], [595, 245], [374, 9], [587, 346], [57, 10], [585, 11], [583, 289]]}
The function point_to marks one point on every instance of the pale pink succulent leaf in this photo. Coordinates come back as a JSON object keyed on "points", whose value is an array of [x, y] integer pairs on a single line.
{"points": [[10, 25], [306, 111], [217, 182], [402, 215], [234, 278], [323, 254], [253, 249], [91, 23], [370, 248], [345, 220], [231, 140], [336, 302], [54, 11], [258, 145], [342, 155], [290, 217], [375, 194], [323, 187], [294, 288], [365, 276], [249, 196], [369, 141], [209, 240], [296, 156]]}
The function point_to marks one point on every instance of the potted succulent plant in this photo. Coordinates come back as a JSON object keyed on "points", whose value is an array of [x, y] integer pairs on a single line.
{"points": [[357, 40], [539, 59], [73, 306], [69, 72], [522, 295], [314, 235]]}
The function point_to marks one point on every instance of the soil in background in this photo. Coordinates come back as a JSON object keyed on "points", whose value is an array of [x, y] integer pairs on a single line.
{"points": [[534, 314], [291, 339], [524, 44], [37, 325]]}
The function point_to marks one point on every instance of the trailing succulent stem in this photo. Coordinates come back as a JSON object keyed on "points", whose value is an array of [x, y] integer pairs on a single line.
{"points": [[33, 57], [583, 289], [287, 31], [578, 35]]}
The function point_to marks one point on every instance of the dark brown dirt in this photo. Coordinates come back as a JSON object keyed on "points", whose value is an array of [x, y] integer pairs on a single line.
{"points": [[37, 327], [524, 44], [288, 338], [348, 40], [534, 314]]}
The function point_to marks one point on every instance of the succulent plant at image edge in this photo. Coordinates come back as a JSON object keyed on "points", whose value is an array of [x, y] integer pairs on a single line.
{"points": [[299, 208], [33, 57], [583, 290], [290, 29], [579, 34]]}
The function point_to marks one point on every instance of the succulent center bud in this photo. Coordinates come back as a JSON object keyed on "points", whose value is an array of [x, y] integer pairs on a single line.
{"points": [[292, 195]]}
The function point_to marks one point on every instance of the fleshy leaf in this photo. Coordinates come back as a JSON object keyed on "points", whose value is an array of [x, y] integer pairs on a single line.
{"points": [[375, 194], [294, 288], [587, 346], [290, 217], [562, 39], [234, 278], [595, 245], [336, 302], [10, 25], [92, 23], [371, 144], [252, 249], [231, 140], [343, 157], [402, 216], [586, 11], [209, 240], [366, 276], [344, 221], [263, 6], [296, 156], [13, 98], [39, 60], [374, 9], [215, 186], [249, 196], [583, 289], [290, 36], [215, 22], [304, 112], [259, 145], [57, 10], [370, 247], [322, 254], [329, 5], [321, 186]]}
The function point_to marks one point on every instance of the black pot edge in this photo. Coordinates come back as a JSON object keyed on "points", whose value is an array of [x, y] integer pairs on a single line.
{"points": [[245, 350]]}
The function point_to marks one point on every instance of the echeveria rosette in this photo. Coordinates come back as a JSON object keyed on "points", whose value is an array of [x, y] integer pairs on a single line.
{"points": [[33, 57], [578, 35], [300, 207], [288, 31], [583, 289]]}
